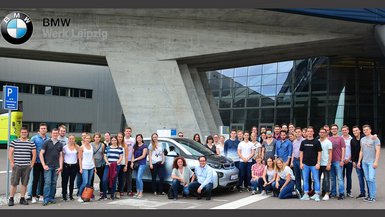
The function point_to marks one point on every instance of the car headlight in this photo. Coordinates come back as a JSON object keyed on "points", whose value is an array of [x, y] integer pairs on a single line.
{"points": [[215, 166]]}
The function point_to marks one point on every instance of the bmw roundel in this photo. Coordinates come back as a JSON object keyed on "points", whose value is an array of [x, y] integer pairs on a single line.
{"points": [[16, 27]]}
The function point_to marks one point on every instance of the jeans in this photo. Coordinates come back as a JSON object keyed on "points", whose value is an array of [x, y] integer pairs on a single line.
{"points": [[99, 172], [68, 174], [121, 177], [78, 182], [176, 187], [193, 187], [244, 174], [298, 174], [38, 179], [336, 173], [86, 178], [325, 180], [370, 175], [347, 172], [29, 186], [128, 178], [158, 170], [105, 186], [361, 180], [139, 181], [50, 178], [257, 184], [287, 191], [306, 176]]}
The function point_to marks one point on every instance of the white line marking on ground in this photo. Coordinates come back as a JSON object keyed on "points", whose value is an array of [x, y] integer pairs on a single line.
{"points": [[241, 202]]}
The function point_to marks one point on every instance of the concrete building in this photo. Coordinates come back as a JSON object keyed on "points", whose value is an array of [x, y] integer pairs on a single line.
{"points": [[159, 58]]}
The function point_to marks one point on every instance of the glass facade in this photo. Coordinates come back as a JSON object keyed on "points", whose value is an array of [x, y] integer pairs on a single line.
{"points": [[313, 91]]}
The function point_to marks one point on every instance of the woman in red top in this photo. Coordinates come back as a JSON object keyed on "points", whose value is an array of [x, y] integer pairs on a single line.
{"points": [[257, 171]]}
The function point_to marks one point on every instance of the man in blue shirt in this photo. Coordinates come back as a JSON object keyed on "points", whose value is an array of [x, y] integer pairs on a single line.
{"points": [[284, 148], [204, 181], [38, 171]]}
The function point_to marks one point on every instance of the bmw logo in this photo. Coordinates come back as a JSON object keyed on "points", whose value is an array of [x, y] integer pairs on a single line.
{"points": [[16, 27]]}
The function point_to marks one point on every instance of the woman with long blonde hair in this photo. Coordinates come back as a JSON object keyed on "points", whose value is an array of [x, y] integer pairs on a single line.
{"points": [[156, 159]]}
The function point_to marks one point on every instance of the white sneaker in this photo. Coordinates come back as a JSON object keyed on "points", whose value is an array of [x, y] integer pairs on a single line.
{"points": [[305, 197], [263, 193], [41, 199], [253, 192], [317, 198], [34, 200], [314, 197], [80, 200], [326, 197]]}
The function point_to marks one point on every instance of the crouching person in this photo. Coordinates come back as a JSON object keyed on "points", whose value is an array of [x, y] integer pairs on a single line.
{"points": [[204, 182], [181, 176], [284, 182]]}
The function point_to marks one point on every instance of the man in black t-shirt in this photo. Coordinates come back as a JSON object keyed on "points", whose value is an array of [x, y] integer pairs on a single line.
{"points": [[51, 157], [310, 158]]}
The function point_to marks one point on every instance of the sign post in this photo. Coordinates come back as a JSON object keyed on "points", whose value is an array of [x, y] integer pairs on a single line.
{"points": [[10, 102]]}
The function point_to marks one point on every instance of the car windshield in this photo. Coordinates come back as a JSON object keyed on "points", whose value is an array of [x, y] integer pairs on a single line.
{"points": [[195, 148]]}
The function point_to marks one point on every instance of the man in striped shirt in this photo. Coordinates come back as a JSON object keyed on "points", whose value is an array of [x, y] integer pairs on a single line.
{"points": [[22, 156]]}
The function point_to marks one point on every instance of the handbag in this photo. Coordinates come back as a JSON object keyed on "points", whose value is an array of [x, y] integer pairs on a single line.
{"points": [[136, 165], [87, 194]]}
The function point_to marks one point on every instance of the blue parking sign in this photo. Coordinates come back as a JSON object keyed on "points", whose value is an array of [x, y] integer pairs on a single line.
{"points": [[10, 97]]}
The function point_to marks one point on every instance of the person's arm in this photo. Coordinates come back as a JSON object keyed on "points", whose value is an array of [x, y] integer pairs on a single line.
{"points": [[378, 149], [328, 167], [150, 157], [276, 150], [318, 165], [290, 153], [162, 157], [208, 179], [225, 146], [192, 177], [251, 155], [342, 157], [106, 160], [120, 158], [10, 157], [263, 152], [359, 159], [253, 174], [45, 167], [143, 155], [80, 157], [240, 154], [292, 159], [61, 159], [33, 157], [264, 176], [288, 179], [218, 151], [300, 160]]}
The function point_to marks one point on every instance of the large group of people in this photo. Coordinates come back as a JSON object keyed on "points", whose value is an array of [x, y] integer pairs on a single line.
{"points": [[286, 161]]}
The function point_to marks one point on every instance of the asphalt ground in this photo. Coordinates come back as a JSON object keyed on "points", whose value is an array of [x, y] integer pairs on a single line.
{"points": [[221, 199]]}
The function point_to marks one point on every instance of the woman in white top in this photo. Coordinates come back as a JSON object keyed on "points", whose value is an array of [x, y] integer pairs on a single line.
{"points": [[86, 164], [246, 151], [123, 166], [284, 182], [221, 146], [257, 146], [156, 158], [70, 168]]}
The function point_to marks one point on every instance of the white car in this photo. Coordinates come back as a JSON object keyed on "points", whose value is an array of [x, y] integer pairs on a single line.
{"points": [[225, 173]]}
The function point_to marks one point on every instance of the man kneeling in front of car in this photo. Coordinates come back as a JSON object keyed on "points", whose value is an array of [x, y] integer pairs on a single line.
{"points": [[204, 181]]}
